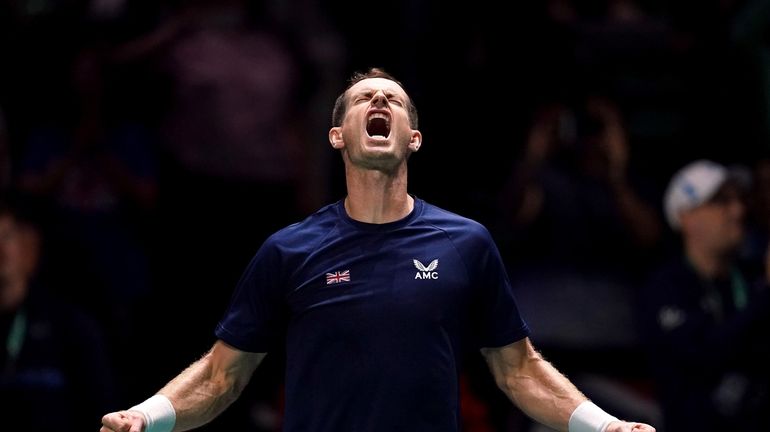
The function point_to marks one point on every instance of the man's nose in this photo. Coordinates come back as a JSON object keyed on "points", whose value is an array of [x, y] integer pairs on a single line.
{"points": [[379, 99]]}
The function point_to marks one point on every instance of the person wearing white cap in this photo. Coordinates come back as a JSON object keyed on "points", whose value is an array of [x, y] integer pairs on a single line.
{"points": [[694, 185], [706, 315]]}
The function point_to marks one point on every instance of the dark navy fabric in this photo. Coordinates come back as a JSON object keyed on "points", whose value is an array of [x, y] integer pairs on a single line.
{"points": [[374, 317]]}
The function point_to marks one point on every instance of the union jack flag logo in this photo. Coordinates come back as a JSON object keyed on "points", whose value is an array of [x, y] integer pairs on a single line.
{"points": [[337, 277]]}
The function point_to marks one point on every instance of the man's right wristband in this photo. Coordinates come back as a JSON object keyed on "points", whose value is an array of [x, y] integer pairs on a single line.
{"points": [[588, 417], [158, 412]]}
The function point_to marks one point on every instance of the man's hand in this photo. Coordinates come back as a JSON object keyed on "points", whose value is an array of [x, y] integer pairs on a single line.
{"points": [[123, 421], [621, 426]]}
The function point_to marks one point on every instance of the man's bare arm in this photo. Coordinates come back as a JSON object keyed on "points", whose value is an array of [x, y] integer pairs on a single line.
{"points": [[198, 394], [533, 384], [547, 396], [210, 385]]}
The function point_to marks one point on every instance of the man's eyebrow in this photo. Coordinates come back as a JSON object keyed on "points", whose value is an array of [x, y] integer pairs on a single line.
{"points": [[368, 91]]}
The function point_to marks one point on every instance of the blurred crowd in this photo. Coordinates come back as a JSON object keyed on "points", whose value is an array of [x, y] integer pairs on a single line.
{"points": [[618, 151]]}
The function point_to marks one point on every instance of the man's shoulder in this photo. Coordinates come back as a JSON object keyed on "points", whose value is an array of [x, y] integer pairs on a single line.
{"points": [[440, 216], [315, 225], [452, 223]]}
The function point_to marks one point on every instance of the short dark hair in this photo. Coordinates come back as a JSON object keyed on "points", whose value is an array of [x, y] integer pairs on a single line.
{"points": [[340, 105]]}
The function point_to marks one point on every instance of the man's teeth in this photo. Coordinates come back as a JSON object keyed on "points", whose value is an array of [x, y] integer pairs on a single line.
{"points": [[378, 115]]}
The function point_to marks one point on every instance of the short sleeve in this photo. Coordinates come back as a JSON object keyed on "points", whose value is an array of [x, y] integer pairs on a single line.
{"points": [[255, 320], [496, 313]]}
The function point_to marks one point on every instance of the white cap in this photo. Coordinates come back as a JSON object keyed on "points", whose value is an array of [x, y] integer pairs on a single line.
{"points": [[691, 186]]}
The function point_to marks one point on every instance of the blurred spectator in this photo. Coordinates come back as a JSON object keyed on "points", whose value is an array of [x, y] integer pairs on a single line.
{"points": [[575, 174], [571, 209], [232, 130], [54, 374], [237, 88], [627, 48], [95, 173], [234, 92], [577, 234], [706, 315]]}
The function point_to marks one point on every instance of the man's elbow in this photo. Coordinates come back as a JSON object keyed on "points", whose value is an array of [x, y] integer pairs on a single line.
{"points": [[222, 383], [516, 379]]}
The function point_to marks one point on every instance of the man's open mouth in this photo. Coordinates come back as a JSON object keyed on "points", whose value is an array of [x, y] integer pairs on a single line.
{"points": [[378, 125]]}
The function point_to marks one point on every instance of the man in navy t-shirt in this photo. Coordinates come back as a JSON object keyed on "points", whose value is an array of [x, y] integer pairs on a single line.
{"points": [[373, 315], [373, 298]]}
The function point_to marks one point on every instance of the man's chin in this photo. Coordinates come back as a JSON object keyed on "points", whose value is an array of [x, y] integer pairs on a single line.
{"points": [[376, 160]]}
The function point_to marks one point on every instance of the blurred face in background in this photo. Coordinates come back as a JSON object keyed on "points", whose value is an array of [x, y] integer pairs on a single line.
{"points": [[19, 248], [718, 224]]}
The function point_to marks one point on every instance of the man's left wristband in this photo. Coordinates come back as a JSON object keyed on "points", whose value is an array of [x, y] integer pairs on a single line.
{"points": [[158, 412], [588, 417]]}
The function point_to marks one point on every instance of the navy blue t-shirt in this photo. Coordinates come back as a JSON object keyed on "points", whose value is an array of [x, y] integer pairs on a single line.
{"points": [[374, 317]]}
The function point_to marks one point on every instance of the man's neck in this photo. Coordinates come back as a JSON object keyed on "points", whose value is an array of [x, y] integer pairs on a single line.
{"points": [[377, 197], [707, 264]]}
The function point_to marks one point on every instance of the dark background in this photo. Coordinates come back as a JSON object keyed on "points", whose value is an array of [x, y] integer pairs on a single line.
{"points": [[690, 79]]}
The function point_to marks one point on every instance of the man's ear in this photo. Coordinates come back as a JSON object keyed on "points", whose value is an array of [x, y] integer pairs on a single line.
{"points": [[416, 141], [335, 137]]}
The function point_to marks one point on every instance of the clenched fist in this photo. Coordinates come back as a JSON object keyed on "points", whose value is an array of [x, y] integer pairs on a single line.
{"points": [[123, 421], [621, 426]]}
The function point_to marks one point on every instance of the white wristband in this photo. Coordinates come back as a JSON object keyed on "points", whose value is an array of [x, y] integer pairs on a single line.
{"points": [[158, 412], [588, 417]]}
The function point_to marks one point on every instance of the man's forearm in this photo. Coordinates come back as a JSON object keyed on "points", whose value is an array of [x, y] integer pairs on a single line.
{"points": [[540, 390], [207, 387], [198, 396]]}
